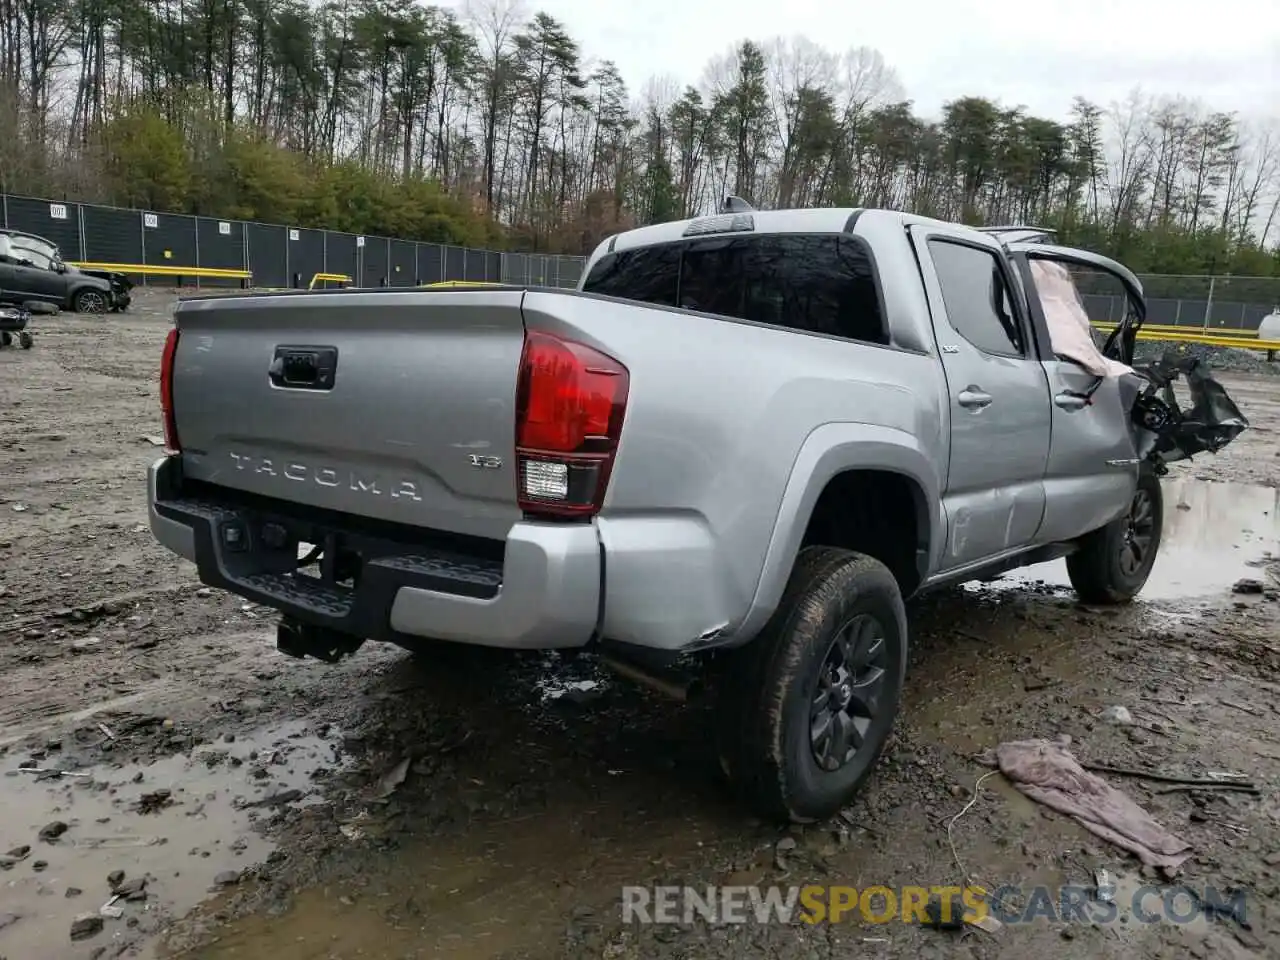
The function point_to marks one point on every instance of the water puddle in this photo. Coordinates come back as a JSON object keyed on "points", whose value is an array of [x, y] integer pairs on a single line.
{"points": [[1214, 535], [177, 828], [1138, 901], [499, 891]]}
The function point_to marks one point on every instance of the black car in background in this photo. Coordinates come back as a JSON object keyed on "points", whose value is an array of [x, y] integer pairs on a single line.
{"points": [[32, 268]]}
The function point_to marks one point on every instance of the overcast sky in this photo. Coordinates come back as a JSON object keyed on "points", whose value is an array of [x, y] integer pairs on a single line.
{"points": [[1225, 52]]}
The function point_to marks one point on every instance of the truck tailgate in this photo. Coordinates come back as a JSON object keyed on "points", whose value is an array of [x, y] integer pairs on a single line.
{"points": [[393, 405]]}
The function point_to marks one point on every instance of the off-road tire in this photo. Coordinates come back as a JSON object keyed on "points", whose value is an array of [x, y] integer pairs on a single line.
{"points": [[763, 713], [25, 340], [1096, 569], [6, 339]]}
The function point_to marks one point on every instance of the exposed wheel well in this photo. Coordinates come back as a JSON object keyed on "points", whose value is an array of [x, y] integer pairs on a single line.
{"points": [[876, 512]]}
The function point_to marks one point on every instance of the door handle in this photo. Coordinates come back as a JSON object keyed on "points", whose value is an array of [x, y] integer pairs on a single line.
{"points": [[973, 398], [1071, 401]]}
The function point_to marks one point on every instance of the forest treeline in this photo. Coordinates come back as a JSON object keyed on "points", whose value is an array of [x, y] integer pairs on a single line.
{"points": [[492, 127]]}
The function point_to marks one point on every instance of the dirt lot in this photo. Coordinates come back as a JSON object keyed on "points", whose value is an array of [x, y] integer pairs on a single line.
{"points": [[493, 807]]}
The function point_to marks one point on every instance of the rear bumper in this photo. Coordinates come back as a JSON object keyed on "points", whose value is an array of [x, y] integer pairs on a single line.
{"points": [[544, 592]]}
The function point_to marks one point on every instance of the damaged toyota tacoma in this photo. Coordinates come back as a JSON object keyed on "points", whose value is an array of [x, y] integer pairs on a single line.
{"points": [[742, 442]]}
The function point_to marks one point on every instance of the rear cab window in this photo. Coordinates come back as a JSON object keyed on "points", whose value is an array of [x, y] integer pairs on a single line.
{"points": [[812, 283], [976, 295]]}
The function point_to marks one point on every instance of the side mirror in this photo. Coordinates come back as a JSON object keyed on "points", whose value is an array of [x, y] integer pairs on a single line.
{"points": [[60, 267]]}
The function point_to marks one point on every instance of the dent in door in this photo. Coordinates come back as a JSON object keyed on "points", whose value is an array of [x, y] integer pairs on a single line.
{"points": [[1093, 462]]}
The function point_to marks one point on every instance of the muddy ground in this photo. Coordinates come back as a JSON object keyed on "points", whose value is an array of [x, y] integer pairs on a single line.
{"points": [[493, 806]]}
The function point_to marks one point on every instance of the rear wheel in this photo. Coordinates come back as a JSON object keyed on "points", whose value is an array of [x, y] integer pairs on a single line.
{"points": [[1113, 562], [6, 339], [808, 705], [26, 340]]}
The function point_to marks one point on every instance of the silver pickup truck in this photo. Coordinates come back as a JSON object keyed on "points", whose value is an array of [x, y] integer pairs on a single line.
{"points": [[750, 435]]}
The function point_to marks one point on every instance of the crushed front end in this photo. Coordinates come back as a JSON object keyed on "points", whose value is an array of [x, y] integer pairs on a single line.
{"points": [[1171, 432]]}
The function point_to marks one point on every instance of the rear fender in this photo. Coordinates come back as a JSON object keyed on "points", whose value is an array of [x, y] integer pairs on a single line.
{"points": [[101, 287], [829, 450]]}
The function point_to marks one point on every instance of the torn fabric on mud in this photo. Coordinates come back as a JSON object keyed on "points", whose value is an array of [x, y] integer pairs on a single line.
{"points": [[1049, 774]]}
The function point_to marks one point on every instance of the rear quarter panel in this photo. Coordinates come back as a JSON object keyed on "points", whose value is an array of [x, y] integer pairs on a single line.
{"points": [[718, 417]]}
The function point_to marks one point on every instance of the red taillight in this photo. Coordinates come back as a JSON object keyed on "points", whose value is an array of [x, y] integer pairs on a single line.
{"points": [[166, 393], [569, 407]]}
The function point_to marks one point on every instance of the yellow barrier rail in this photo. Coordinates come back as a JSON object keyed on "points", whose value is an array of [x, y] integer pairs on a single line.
{"points": [[328, 277], [166, 270], [1240, 343], [343, 278], [1188, 328], [1214, 337]]}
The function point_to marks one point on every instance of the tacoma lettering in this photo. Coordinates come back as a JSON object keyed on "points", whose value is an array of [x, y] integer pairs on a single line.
{"points": [[328, 477]]}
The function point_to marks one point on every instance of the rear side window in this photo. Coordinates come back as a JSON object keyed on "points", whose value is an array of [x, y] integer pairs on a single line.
{"points": [[816, 283], [977, 298]]}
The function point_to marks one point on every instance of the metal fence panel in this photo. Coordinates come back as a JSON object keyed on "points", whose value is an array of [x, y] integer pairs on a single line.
{"points": [[375, 272], [220, 244], [57, 222], [1190, 313], [269, 253], [276, 255], [404, 269], [455, 263], [341, 254], [169, 240], [569, 270], [284, 256], [1159, 310], [307, 250], [112, 235], [1253, 315], [430, 261], [514, 269]]}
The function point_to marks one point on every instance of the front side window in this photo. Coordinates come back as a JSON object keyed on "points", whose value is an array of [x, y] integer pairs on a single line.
{"points": [[32, 257], [815, 283]]}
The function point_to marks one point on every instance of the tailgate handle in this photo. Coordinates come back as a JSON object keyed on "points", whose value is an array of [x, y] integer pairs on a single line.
{"points": [[304, 368]]}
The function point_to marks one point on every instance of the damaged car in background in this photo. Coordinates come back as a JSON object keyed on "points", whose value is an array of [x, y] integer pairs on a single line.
{"points": [[38, 272], [729, 456]]}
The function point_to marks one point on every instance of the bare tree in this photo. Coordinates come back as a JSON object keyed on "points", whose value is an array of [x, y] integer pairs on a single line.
{"points": [[495, 23]]}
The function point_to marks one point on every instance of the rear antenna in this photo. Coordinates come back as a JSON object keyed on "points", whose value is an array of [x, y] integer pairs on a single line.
{"points": [[736, 205]]}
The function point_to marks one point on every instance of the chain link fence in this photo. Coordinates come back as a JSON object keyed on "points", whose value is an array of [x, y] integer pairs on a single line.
{"points": [[277, 255], [283, 256], [1206, 303]]}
